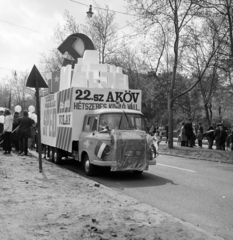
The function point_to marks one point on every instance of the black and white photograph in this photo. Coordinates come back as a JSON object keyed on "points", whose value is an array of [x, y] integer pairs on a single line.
{"points": [[116, 120]]}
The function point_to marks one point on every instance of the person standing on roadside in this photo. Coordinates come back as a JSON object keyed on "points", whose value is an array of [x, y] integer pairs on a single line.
{"points": [[183, 137], [24, 133], [32, 140], [2, 119], [14, 136], [222, 138], [209, 134], [217, 134], [189, 133], [200, 132], [160, 132], [7, 129]]}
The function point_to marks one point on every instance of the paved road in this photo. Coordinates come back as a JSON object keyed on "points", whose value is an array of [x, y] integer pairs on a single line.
{"points": [[199, 192]]}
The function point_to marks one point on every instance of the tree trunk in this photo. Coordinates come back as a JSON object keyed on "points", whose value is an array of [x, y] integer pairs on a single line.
{"points": [[170, 120], [211, 112], [207, 114], [170, 94], [229, 15]]}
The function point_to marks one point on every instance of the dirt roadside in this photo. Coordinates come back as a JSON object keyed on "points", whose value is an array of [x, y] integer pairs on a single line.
{"points": [[59, 204]]}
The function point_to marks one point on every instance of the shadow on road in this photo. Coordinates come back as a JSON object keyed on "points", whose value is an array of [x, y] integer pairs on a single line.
{"points": [[121, 180]]}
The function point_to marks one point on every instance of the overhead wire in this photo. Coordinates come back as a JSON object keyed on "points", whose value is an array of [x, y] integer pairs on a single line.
{"points": [[25, 27], [115, 12], [104, 9], [29, 29]]}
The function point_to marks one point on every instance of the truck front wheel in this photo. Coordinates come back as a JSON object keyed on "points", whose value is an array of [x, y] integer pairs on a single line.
{"points": [[89, 168], [57, 156]]}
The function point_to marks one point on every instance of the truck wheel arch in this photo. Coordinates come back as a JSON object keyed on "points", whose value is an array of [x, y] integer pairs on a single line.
{"points": [[83, 155]]}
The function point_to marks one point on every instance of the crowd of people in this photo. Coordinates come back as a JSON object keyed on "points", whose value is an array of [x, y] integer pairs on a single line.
{"points": [[191, 134], [17, 131]]}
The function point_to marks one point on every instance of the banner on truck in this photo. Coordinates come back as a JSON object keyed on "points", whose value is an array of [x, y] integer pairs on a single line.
{"points": [[49, 119], [87, 99], [62, 113]]}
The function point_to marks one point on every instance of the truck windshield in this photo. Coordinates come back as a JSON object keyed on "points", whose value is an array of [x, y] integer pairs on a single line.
{"points": [[123, 121]]}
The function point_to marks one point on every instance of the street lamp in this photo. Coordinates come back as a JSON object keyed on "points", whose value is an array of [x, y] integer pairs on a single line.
{"points": [[90, 13]]}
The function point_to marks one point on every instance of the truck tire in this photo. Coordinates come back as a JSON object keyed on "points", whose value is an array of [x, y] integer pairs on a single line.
{"points": [[51, 154], [89, 168], [57, 156]]}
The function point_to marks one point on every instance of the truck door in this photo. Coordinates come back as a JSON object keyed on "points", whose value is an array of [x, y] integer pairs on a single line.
{"points": [[87, 140]]}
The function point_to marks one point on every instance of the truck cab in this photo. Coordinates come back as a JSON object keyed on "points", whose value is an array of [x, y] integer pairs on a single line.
{"points": [[115, 138]]}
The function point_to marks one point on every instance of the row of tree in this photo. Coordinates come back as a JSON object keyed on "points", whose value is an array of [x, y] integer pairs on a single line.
{"points": [[180, 54]]}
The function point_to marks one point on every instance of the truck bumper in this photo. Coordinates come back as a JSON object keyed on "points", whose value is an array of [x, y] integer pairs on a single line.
{"points": [[103, 163], [112, 163]]}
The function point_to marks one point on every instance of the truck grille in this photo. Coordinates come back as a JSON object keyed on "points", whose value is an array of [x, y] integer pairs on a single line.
{"points": [[131, 154]]}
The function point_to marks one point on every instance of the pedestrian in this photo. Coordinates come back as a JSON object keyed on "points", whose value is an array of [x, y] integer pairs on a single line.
{"points": [[209, 135], [7, 129], [189, 133], [147, 125], [14, 135], [183, 137], [200, 132], [156, 137], [1, 126], [32, 139], [151, 131], [195, 128], [217, 136], [229, 140], [24, 133], [160, 132], [199, 138], [223, 137], [200, 127], [155, 129]]}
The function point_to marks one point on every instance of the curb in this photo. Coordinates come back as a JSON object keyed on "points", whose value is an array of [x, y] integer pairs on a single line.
{"points": [[196, 158]]}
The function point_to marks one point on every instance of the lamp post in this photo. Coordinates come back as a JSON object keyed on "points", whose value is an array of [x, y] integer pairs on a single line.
{"points": [[90, 13]]}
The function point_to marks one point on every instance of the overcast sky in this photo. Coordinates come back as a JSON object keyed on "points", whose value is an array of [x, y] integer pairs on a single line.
{"points": [[20, 48]]}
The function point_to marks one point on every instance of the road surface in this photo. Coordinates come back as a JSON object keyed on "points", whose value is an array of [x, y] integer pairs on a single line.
{"points": [[196, 191]]}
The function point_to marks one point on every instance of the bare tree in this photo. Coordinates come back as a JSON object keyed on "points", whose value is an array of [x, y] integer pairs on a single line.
{"points": [[62, 32], [203, 60], [222, 11], [52, 61], [4, 95], [16, 86], [177, 13], [103, 31]]}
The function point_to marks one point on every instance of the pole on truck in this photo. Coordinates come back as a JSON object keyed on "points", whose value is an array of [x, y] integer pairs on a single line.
{"points": [[35, 80]]}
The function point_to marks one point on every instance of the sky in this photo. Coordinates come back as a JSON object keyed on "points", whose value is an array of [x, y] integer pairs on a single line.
{"points": [[27, 27]]}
